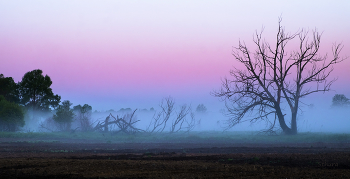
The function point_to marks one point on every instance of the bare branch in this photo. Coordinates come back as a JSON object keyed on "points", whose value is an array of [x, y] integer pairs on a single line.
{"points": [[161, 118], [180, 118]]}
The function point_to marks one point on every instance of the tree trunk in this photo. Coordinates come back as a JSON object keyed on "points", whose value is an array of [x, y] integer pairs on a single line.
{"points": [[294, 124], [106, 124], [294, 120], [282, 122]]}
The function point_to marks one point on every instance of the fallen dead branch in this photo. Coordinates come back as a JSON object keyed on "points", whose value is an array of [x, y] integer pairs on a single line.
{"points": [[125, 124]]}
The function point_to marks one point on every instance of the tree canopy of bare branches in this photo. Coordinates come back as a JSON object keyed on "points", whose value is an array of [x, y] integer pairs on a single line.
{"points": [[161, 118], [272, 76]]}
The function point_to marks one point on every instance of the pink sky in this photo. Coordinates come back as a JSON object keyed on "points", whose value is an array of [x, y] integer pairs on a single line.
{"points": [[113, 54]]}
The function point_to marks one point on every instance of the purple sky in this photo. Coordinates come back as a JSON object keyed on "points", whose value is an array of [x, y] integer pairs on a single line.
{"points": [[114, 54]]}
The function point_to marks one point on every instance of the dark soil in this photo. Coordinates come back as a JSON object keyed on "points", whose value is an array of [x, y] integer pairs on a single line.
{"points": [[173, 160]]}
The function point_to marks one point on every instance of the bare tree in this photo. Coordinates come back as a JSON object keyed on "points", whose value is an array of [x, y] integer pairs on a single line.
{"points": [[180, 118], [161, 118], [272, 76], [83, 116], [191, 123]]}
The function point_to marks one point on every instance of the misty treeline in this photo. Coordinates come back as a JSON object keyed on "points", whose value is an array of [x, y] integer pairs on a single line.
{"points": [[32, 97], [168, 119]]}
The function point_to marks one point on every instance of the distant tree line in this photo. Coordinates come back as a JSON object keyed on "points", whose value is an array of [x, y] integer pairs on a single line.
{"points": [[340, 101], [35, 94]]}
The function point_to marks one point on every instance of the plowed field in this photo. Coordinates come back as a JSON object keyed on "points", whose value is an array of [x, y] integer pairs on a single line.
{"points": [[77, 159]]}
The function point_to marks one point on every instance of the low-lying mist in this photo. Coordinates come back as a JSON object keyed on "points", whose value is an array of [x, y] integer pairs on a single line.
{"points": [[315, 119]]}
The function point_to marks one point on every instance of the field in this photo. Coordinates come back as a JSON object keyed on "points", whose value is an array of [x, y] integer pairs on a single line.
{"points": [[183, 155]]}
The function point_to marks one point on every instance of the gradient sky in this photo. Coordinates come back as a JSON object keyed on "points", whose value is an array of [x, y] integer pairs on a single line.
{"points": [[114, 54]]}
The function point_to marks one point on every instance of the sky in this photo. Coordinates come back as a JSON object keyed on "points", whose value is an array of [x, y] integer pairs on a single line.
{"points": [[120, 54]]}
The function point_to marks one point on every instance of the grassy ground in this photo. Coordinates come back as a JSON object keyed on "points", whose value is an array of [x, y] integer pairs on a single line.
{"points": [[238, 137]]}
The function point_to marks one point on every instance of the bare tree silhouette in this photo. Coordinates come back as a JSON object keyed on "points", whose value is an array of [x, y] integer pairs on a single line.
{"points": [[271, 75], [179, 123]]}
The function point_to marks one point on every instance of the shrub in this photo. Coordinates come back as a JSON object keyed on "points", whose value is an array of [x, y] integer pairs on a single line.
{"points": [[64, 115], [11, 115], [83, 116], [339, 100], [201, 108]]}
